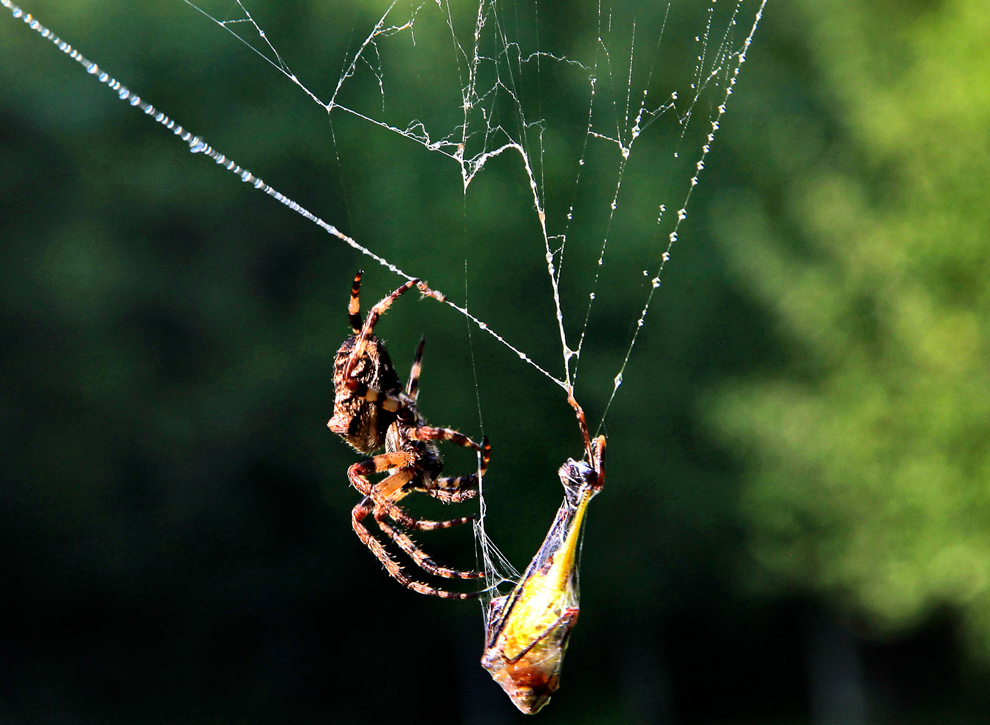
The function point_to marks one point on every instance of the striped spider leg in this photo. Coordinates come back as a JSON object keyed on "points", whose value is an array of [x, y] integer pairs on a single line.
{"points": [[371, 411]]}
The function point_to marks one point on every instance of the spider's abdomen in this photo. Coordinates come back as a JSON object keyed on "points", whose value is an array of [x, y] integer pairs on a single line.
{"points": [[360, 423]]}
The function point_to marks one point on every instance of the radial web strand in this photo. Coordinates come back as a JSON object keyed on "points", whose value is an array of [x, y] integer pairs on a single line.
{"points": [[645, 107]]}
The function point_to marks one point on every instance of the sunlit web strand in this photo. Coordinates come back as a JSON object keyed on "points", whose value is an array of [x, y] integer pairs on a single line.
{"points": [[415, 132], [472, 97], [626, 136], [531, 177], [197, 145], [682, 212]]}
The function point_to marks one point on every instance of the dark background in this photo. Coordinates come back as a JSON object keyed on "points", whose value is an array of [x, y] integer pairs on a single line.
{"points": [[794, 526]]}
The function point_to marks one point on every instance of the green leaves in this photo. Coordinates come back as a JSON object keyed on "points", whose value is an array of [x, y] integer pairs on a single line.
{"points": [[869, 454]]}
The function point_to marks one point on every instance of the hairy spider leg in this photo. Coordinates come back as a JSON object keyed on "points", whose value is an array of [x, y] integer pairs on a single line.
{"points": [[399, 516], [377, 311], [358, 514], [382, 497], [354, 306], [389, 491], [359, 472], [449, 489], [430, 433], [453, 489], [412, 387], [415, 553]]}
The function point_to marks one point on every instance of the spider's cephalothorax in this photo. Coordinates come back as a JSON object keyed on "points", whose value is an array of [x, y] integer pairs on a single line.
{"points": [[370, 411], [360, 423]]}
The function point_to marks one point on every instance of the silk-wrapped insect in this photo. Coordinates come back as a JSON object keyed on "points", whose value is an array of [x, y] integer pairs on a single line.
{"points": [[528, 628]]}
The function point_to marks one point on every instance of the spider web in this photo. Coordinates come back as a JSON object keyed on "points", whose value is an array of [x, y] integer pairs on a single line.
{"points": [[649, 86]]}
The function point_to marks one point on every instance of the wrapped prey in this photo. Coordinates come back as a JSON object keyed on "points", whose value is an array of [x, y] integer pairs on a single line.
{"points": [[528, 628]]}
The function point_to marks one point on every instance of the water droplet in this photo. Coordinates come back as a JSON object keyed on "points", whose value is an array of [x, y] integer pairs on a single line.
{"points": [[618, 380], [591, 296], [196, 145]]}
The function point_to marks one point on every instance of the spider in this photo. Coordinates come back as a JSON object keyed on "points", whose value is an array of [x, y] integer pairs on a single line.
{"points": [[371, 411]]}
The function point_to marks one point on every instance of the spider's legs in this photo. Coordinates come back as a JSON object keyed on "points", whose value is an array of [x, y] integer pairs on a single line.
{"points": [[354, 306], [412, 387], [369, 324], [359, 472], [429, 433], [360, 512], [384, 496], [415, 552], [389, 491], [401, 517], [454, 489]]}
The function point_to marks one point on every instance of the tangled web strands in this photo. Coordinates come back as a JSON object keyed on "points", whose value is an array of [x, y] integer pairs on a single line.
{"points": [[632, 106], [496, 117], [495, 58]]}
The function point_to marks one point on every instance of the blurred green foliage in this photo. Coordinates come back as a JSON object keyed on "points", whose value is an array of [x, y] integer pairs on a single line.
{"points": [[870, 446], [801, 434]]}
